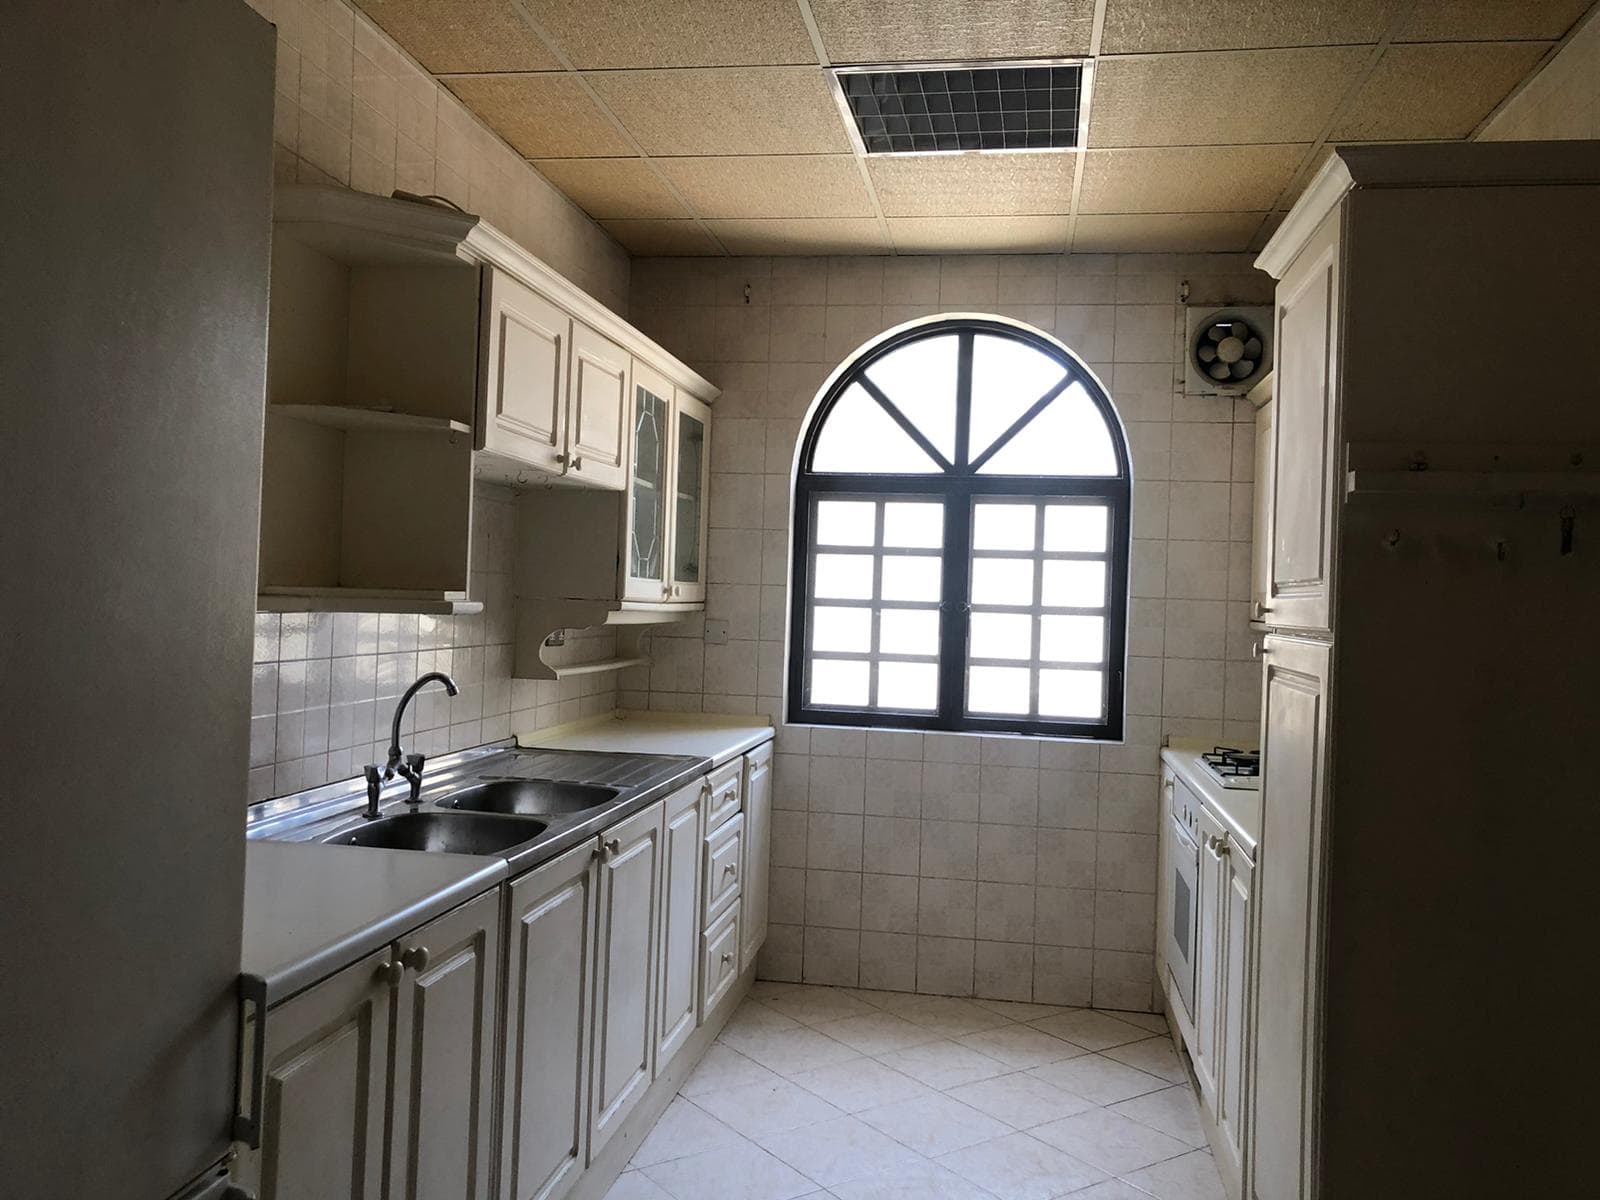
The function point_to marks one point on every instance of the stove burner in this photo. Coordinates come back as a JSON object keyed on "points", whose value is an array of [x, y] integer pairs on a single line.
{"points": [[1225, 760]]}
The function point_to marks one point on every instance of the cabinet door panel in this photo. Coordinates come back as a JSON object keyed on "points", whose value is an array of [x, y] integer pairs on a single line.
{"points": [[645, 566], [680, 921], [549, 1009], [1208, 958], [691, 481], [598, 421], [443, 1100], [625, 962], [1261, 516], [1234, 1017], [524, 378], [757, 854]]}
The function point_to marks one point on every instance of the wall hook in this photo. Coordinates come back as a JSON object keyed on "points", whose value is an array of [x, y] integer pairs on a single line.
{"points": [[747, 293]]}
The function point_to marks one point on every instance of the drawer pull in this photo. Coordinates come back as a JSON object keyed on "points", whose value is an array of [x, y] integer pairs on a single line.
{"points": [[417, 958], [611, 846], [389, 974], [731, 869], [727, 957]]}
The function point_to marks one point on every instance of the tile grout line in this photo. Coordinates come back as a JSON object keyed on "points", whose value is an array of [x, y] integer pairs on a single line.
{"points": [[1096, 35]]}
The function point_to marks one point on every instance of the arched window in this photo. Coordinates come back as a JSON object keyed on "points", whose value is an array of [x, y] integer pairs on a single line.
{"points": [[961, 539]]}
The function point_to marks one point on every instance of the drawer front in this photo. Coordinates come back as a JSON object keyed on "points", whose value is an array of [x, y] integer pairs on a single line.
{"points": [[724, 851], [720, 966], [725, 784]]}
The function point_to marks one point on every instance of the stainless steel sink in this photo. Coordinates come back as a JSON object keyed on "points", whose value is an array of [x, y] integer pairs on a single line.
{"points": [[531, 797], [444, 833]]}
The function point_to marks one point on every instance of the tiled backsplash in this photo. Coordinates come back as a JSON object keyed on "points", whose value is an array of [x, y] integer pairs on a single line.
{"points": [[1013, 868], [326, 684]]}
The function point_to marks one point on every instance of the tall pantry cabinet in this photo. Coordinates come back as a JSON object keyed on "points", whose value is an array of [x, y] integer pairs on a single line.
{"points": [[1428, 603]]}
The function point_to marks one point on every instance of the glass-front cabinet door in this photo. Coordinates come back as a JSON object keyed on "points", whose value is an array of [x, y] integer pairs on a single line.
{"points": [[691, 477], [647, 494]]}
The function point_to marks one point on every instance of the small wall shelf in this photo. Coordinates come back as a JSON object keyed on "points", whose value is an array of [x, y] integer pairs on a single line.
{"points": [[598, 668], [374, 420], [379, 600]]}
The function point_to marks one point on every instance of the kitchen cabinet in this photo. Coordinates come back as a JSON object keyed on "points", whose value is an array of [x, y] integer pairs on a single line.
{"points": [[680, 921], [1235, 1013], [691, 485], [597, 438], [627, 929], [527, 343], [1204, 1049], [667, 513], [549, 966], [757, 853], [1261, 514]]}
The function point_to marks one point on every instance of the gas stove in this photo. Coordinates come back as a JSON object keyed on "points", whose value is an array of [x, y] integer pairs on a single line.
{"points": [[1240, 769]]}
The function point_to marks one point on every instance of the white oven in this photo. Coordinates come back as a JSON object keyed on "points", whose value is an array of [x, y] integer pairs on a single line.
{"points": [[1181, 919]]}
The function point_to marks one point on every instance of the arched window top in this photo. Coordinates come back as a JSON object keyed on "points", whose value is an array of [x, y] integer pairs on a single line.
{"points": [[961, 539]]}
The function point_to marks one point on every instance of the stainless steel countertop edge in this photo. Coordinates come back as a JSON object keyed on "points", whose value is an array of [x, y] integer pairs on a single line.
{"points": [[1186, 764]]}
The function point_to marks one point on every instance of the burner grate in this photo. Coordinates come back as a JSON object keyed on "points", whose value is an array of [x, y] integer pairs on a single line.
{"points": [[1225, 760]]}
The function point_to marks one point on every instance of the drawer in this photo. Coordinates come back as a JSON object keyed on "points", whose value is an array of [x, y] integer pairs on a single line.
{"points": [[719, 964], [725, 784], [724, 849]]}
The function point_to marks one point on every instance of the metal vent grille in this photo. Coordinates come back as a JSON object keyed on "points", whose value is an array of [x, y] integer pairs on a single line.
{"points": [[931, 110]]}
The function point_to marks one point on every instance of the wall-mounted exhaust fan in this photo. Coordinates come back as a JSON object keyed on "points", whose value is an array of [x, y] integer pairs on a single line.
{"points": [[1230, 350]]}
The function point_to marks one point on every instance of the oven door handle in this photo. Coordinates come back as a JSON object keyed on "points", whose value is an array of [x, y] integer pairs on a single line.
{"points": [[1183, 837]]}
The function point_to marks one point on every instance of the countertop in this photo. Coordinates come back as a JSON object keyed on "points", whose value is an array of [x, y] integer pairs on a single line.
{"points": [[1239, 809], [311, 909], [714, 736]]}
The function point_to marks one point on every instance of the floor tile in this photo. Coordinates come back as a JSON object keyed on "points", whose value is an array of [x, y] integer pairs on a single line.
{"points": [[838, 1151], [1172, 1111], [889, 1001], [949, 1016], [772, 1107], [723, 1067], [682, 1130], [790, 1051], [752, 1020], [1017, 1010], [1019, 1167], [1154, 1022], [743, 1171], [1111, 1189], [1020, 1047], [1020, 1100], [1097, 1078], [861, 1083], [1092, 1030], [878, 1033], [928, 1181], [944, 1064], [763, 989], [635, 1185], [814, 1005], [934, 1124], [1154, 1056], [1192, 1177], [1113, 1143]]}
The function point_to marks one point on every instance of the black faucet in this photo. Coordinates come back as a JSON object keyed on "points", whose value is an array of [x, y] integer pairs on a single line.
{"points": [[409, 766]]}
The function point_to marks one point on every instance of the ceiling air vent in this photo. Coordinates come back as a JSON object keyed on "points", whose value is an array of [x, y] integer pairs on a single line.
{"points": [[950, 109]]}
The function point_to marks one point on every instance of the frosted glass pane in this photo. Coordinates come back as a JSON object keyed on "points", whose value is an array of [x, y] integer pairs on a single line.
{"points": [[1003, 526], [1072, 639], [1070, 583], [839, 681], [1007, 378], [921, 380], [913, 686], [859, 436], [1002, 581], [1068, 438], [846, 629], [1070, 694], [845, 522], [1075, 527], [909, 631], [913, 577], [842, 577], [913, 525], [1001, 635], [1002, 690]]}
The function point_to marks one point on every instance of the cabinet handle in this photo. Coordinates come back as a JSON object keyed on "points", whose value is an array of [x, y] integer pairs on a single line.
{"points": [[611, 845], [1261, 611], [727, 957], [731, 869], [1256, 649], [561, 459], [676, 590], [577, 462], [389, 974], [417, 958]]}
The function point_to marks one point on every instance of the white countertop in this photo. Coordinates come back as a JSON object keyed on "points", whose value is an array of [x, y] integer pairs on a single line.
{"points": [[715, 736], [1237, 808], [311, 909]]}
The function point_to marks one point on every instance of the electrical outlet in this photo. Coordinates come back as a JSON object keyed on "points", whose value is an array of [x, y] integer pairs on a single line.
{"points": [[716, 633]]}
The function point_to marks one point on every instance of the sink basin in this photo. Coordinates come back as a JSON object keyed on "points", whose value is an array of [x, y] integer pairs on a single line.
{"points": [[530, 797], [444, 833]]}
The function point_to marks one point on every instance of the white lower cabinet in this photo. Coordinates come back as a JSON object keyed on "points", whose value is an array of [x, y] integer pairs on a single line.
{"points": [[757, 836], [680, 922], [1207, 958], [1234, 977]]}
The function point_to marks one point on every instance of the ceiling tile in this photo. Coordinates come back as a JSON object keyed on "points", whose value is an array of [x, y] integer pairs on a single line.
{"points": [[789, 235], [1223, 98], [612, 187], [1160, 25], [726, 110], [873, 31], [543, 116], [1484, 20], [462, 35], [1270, 227], [1187, 179], [993, 235], [782, 185], [1160, 233], [653, 238], [685, 33], [973, 184], [1435, 90]]}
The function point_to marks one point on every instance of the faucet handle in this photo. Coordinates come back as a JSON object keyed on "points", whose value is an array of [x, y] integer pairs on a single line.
{"points": [[374, 774], [413, 775]]}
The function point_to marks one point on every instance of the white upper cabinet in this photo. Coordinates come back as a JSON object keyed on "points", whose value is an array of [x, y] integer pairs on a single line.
{"points": [[597, 428], [527, 341], [646, 570], [691, 474]]}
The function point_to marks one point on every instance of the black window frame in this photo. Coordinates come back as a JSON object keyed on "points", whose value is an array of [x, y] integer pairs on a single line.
{"points": [[960, 486]]}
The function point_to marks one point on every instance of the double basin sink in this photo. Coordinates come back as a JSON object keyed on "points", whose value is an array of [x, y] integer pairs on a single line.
{"points": [[484, 818]]}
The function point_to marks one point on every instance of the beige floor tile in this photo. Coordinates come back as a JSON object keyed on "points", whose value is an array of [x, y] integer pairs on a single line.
{"points": [[682, 1130], [1097, 1078], [1154, 1056], [1020, 1100], [762, 1108], [635, 1185], [838, 1151], [751, 1019], [743, 1171], [1091, 1030], [934, 1124], [878, 1033], [943, 1064], [949, 1016], [790, 1051], [888, 1001], [1017, 1010], [815, 1005], [1113, 1143], [1192, 1177], [929, 1181], [1019, 1167], [861, 1083], [1154, 1022], [1173, 1111], [765, 989], [1020, 1047], [1111, 1189], [723, 1067]]}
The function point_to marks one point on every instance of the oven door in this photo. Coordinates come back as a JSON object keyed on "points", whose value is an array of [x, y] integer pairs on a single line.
{"points": [[1183, 912]]}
